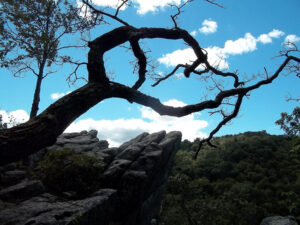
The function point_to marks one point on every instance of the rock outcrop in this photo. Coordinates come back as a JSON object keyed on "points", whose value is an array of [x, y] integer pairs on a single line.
{"points": [[133, 184], [279, 220]]}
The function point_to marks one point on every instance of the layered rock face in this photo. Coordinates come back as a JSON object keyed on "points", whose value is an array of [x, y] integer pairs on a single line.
{"points": [[133, 184]]}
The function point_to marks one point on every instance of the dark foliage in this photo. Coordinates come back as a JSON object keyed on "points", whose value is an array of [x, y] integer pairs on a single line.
{"points": [[290, 123], [248, 177], [70, 174]]}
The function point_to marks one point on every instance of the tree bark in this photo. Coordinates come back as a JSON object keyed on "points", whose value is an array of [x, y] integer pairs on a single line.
{"points": [[36, 97], [41, 131]]}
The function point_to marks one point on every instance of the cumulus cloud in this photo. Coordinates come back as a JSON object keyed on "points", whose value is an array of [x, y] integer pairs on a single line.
{"points": [[145, 6], [104, 3], [109, 3], [267, 38], [208, 27], [264, 38], [142, 6], [275, 33], [193, 33], [291, 38], [180, 56], [118, 131], [57, 95], [241, 45], [218, 56], [85, 11], [15, 117]]}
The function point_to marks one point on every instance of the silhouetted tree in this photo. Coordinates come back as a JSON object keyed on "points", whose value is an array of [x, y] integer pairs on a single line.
{"points": [[290, 123], [30, 37], [43, 130]]}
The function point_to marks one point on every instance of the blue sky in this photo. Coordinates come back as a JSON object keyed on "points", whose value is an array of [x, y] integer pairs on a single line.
{"points": [[243, 36]]}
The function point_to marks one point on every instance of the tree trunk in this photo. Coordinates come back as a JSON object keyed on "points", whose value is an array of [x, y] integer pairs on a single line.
{"points": [[41, 131], [36, 96]]}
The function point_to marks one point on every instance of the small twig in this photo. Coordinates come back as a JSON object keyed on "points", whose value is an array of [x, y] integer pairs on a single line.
{"points": [[50, 72], [227, 74], [174, 71], [266, 72], [97, 11], [214, 3], [74, 73], [222, 123], [124, 2], [179, 11], [72, 46], [168, 75]]}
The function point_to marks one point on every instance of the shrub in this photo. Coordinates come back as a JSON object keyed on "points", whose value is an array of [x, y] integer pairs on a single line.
{"points": [[68, 173]]}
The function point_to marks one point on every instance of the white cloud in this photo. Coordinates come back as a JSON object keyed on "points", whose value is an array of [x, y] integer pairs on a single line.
{"points": [[85, 11], [216, 57], [109, 3], [275, 33], [208, 27], [241, 45], [105, 3], [264, 38], [292, 38], [193, 33], [267, 38], [15, 117], [57, 95], [118, 131], [184, 56], [145, 6]]}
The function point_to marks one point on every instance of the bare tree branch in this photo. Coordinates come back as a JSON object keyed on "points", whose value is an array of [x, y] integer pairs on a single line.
{"points": [[142, 62], [225, 120], [214, 3], [101, 12], [174, 71], [227, 74], [53, 121], [179, 11], [124, 2], [74, 74], [72, 46]]}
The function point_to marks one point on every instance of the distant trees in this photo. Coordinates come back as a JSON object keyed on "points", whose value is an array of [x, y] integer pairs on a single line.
{"points": [[42, 130], [31, 34], [290, 123], [249, 176], [3, 125]]}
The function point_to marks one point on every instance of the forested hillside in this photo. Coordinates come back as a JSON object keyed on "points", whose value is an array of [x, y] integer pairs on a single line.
{"points": [[248, 177]]}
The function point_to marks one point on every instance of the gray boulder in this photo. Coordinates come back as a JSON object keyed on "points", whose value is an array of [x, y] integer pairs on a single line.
{"points": [[22, 190], [12, 177], [47, 209], [80, 142], [279, 220], [133, 184]]}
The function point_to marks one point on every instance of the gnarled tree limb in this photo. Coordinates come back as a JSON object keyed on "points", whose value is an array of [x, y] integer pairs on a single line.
{"points": [[41, 131]]}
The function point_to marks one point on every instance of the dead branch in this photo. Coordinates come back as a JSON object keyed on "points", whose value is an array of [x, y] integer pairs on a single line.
{"points": [[226, 119], [101, 12]]}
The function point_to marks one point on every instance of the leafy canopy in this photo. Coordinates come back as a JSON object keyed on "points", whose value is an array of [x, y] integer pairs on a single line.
{"points": [[31, 31], [290, 123]]}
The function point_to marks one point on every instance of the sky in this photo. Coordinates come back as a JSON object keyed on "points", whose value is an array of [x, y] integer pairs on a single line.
{"points": [[244, 35]]}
